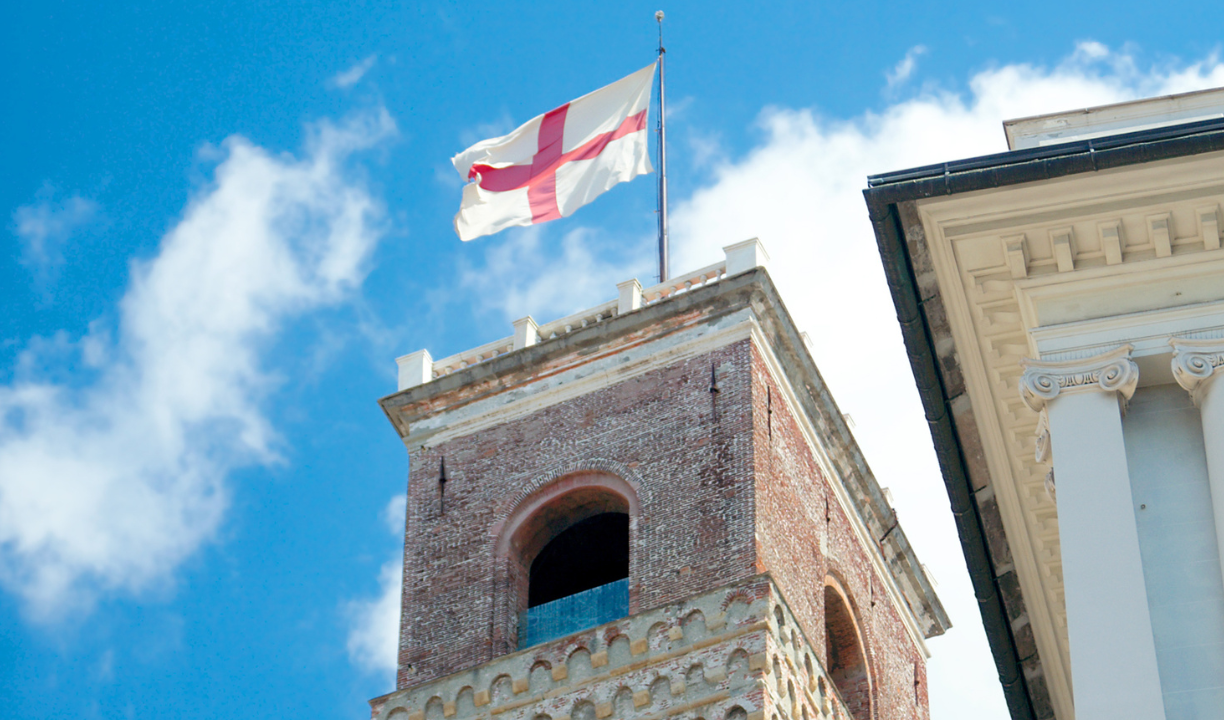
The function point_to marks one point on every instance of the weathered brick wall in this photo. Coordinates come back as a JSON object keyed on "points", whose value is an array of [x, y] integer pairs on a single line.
{"points": [[688, 452], [793, 526]]}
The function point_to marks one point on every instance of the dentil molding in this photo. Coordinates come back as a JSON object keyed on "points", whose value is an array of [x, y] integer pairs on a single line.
{"points": [[1044, 380], [1195, 362]]}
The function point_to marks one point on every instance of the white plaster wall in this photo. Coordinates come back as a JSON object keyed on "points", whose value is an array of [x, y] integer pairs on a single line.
{"points": [[1181, 568]]}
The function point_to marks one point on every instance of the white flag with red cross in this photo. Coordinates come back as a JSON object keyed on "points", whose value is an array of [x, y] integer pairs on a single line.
{"points": [[557, 162]]}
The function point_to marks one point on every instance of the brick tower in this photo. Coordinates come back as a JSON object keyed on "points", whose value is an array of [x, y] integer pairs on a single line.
{"points": [[652, 509]]}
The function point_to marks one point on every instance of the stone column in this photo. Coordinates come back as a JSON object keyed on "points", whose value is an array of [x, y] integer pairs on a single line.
{"points": [[1113, 654], [1196, 363]]}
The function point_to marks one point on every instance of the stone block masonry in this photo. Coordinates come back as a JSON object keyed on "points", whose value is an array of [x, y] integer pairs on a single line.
{"points": [[731, 653]]}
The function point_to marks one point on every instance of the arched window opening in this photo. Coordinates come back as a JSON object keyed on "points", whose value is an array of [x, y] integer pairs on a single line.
{"points": [[847, 661], [567, 558], [588, 554]]}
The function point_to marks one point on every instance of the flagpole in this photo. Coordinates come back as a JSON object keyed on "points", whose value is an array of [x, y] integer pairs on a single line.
{"points": [[662, 197]]}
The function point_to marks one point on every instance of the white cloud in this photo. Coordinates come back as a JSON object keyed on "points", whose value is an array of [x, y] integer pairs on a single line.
{"points": [[44, 226], [521, 276], [485, 131], [353, 75], [373, 640], [679, 108], [1090, 50], [800, 190], [394, 514], [109, 482], [904, 69], [704, 148]]}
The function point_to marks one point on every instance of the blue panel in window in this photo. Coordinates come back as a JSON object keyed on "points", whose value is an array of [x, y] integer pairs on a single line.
{"points": [[567, 615]]}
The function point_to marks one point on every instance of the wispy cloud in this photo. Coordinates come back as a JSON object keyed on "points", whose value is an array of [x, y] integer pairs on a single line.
{"points": [[486, 131], [678, 109], [354, 74], [525, 275], [800, 190], [904, 69], [704, 148], [107, 485], [45, 226], [373, 640]]}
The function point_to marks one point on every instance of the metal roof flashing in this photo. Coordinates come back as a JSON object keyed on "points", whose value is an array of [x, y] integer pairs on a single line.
{"points": [[1104, 120], [1048, 161]]}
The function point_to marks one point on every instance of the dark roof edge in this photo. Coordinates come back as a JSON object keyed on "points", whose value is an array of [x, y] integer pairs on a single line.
{"points": [[966, 513], [1043, 163]]}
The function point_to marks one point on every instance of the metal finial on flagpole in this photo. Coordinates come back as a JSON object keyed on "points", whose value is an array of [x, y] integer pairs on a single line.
{"points": [[662, 198]]}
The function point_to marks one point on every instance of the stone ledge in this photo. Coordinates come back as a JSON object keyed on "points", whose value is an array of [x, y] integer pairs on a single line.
{"points": [[556, 680]]}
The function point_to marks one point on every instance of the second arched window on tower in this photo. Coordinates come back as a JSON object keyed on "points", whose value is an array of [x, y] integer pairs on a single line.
{"points": [[846, 653]]}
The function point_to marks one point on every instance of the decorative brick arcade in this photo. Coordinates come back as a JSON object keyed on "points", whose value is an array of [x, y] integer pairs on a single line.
{"points": [[766, 574]]}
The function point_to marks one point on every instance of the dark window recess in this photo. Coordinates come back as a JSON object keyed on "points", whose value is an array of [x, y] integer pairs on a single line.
{"points": [[590, 553]]}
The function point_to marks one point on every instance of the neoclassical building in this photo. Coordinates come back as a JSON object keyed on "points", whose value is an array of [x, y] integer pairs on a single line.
{"points": [[650, 509], [1063, 308]]}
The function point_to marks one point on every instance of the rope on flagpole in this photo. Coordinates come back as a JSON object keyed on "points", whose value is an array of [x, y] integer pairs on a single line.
{"points": [[662, 195]]}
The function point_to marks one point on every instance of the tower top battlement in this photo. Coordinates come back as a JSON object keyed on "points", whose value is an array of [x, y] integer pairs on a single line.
{"points": [[419, 367]]}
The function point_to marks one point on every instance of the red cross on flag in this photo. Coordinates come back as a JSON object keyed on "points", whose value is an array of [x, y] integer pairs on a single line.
{"points": [[556, 162]]}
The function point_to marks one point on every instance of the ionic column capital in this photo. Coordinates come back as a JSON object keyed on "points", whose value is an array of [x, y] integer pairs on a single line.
{"points": [[1195, 362], [1113, 371]]}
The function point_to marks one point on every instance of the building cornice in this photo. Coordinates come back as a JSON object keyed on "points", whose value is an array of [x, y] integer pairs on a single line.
{"points": [[1045, 163]]}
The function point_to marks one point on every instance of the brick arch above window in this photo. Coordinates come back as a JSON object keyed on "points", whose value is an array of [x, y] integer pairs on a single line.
{"points": [[513, 501], [560, 502]]}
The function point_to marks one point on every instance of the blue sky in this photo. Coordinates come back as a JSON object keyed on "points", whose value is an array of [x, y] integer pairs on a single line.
{"points": [[224, 222]]}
